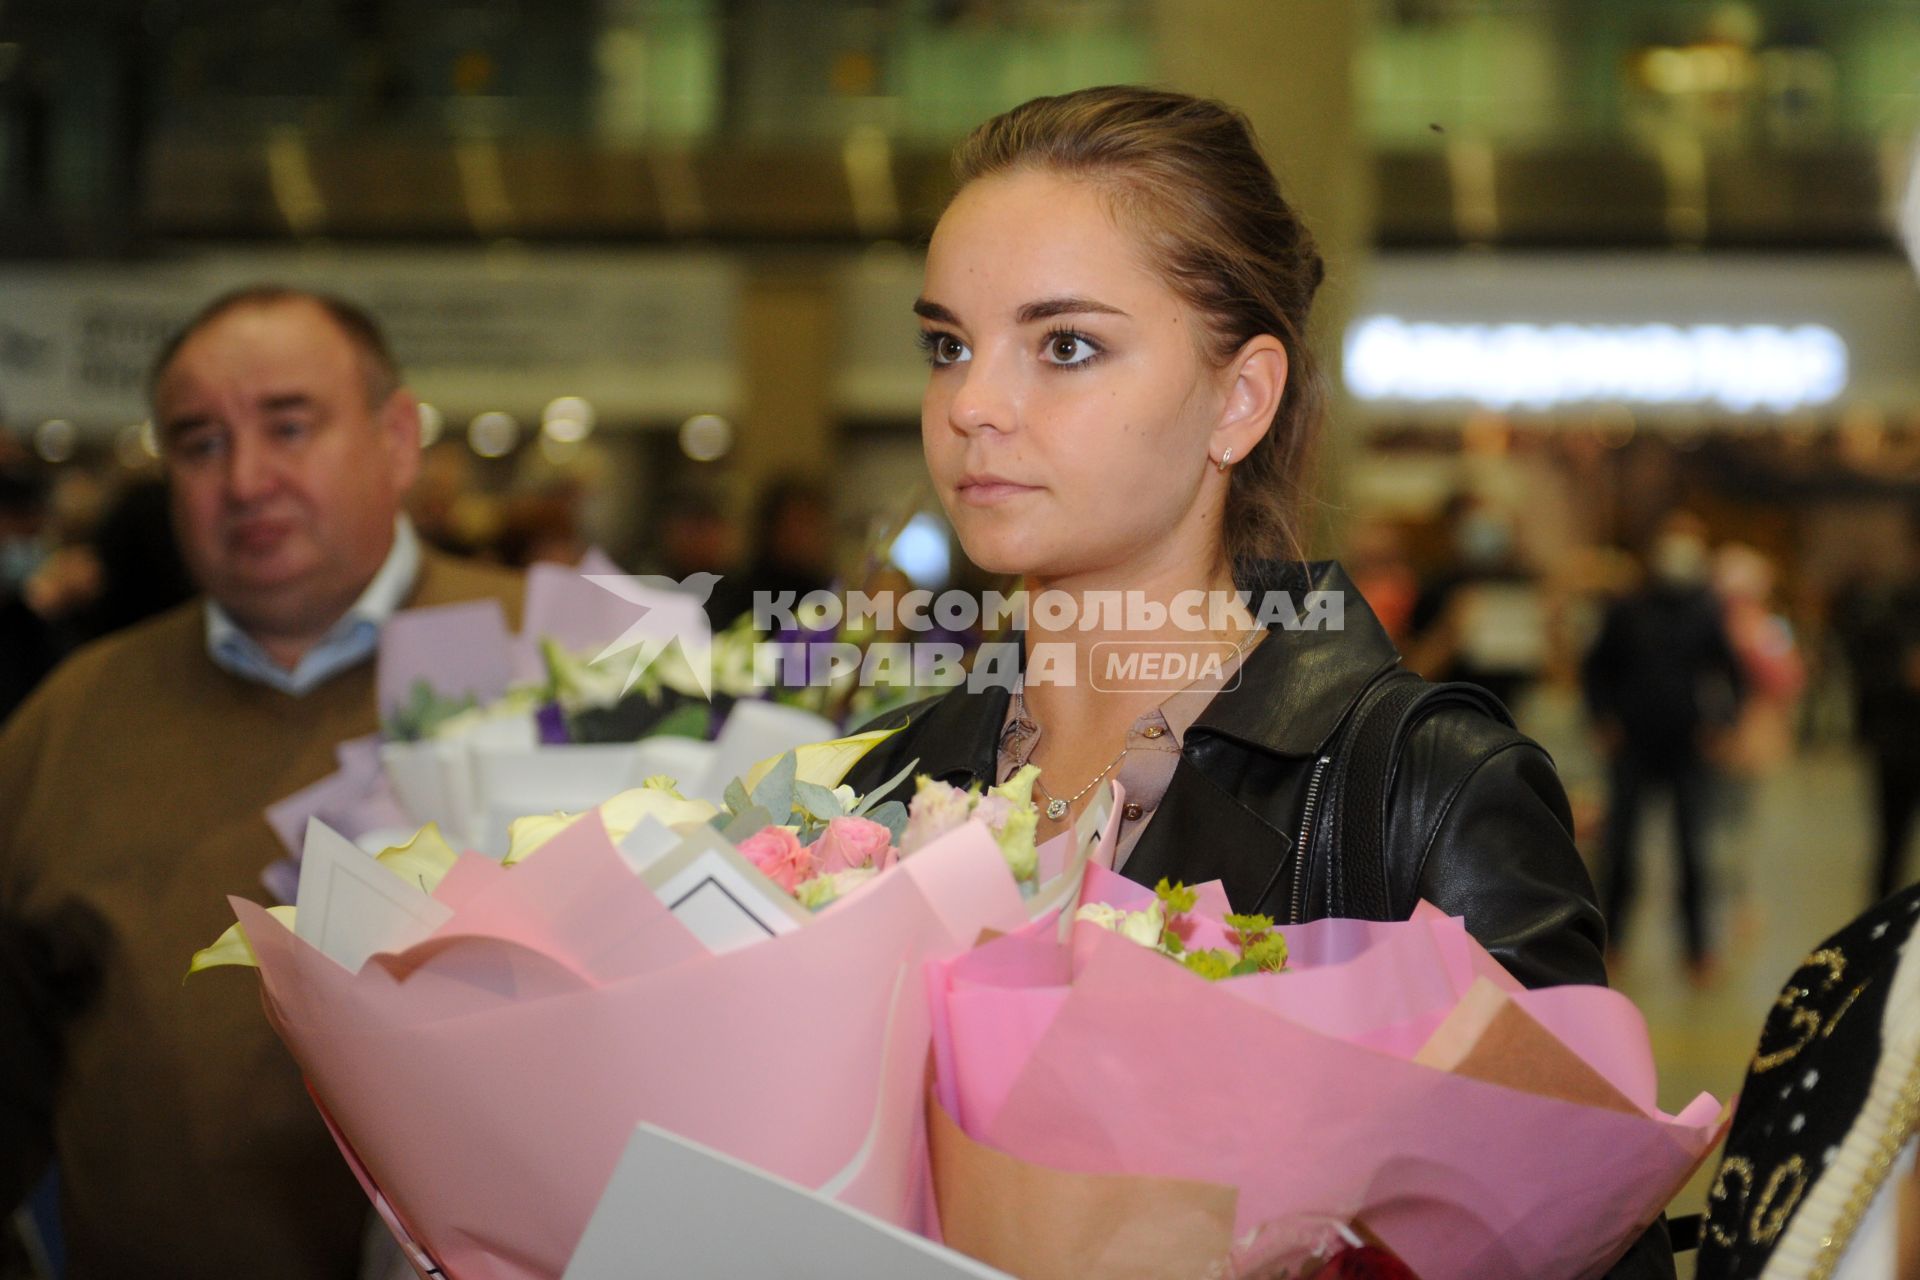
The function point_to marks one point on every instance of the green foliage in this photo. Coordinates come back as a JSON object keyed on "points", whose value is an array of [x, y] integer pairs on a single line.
{"points": [[692, 720], [424, 711], [1211, 964], [1176, 898], [775, 791]]}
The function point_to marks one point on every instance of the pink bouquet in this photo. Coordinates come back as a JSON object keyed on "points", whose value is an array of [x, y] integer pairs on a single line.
{"points": [[483, 1038], [1139, 1120], [483, 1082]]}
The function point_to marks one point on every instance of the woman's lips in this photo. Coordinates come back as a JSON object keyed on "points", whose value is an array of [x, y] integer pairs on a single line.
{"points": [[985, 491]]}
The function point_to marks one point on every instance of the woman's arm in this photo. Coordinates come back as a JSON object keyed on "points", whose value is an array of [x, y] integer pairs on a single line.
{"points": [[1492, 841]]}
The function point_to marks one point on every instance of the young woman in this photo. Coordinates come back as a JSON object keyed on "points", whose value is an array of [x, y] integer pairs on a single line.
{"points": [[1121, 406]]}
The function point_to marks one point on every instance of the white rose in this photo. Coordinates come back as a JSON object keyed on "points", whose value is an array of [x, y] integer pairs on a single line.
{"points": [[1144, 927]]}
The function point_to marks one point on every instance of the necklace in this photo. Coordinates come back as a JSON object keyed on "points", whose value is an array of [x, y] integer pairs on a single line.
{"points": [[1056, 808]]}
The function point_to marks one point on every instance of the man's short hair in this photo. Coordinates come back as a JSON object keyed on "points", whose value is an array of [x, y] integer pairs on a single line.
{"points": [[378, 369]]}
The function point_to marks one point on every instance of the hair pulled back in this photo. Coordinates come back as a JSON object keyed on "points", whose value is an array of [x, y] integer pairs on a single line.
{"points": [[1186, 175]]}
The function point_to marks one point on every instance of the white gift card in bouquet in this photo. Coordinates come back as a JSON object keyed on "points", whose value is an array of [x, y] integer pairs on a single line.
{"points": [[676, 1208], [723, 900], [350, 906]]}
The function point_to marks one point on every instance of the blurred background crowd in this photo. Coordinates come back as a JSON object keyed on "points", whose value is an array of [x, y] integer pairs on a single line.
{"points": [[1626, 348]]}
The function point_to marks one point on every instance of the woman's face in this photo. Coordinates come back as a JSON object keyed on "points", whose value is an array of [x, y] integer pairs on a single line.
{"points": [[1068, 416]]}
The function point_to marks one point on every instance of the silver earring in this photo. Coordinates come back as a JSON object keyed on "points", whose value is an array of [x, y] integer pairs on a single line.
{"points": [[1225, 458]]}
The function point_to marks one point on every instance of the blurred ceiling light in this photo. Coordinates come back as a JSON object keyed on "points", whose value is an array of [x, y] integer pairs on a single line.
{"points": [[1910, 212], [483, 185], [493, 434], [433, 425], [1741, 368], [568, 419], [556, 451], [706, 437], [132, 445], [55, 440], [922, 551], [868, 156], [1668, 70], [290, 177], [1471, 175]]}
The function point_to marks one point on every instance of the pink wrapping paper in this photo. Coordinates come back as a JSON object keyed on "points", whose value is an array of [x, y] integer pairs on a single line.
{"points": [[484, 1082], [1299, 1089]]}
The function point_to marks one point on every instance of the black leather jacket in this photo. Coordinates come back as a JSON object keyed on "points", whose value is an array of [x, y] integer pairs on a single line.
{"points": [[1478, 823]]}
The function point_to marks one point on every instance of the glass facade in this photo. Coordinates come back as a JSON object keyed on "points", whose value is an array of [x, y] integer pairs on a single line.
{"points": [[116, 116], [1530, 72]]}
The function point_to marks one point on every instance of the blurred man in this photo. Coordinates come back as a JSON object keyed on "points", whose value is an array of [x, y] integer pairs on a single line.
{"points": [[1660, 679], [1479, 619], [1880, 625], [132, 790]]}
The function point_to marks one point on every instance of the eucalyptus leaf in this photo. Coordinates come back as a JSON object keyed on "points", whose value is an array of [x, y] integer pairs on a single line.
{"points": [[736, 798], [819, 802], [775, 792], [689, 721], [893, 816], [874, 796], [750, 823]]}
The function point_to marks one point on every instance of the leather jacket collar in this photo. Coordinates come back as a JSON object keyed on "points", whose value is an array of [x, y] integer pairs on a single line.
{"points": [[1295, 687]]}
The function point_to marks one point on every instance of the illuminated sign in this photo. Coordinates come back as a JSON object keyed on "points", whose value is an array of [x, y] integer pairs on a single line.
{"points": [[1532, 366]]}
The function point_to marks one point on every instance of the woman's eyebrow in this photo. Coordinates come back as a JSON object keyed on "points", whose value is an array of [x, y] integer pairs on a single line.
{"points": [[1048, 308], [930, 310]]}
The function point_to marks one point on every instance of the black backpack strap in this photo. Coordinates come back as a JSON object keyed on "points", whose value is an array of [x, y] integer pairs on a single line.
{"points": [[1352, 843]]}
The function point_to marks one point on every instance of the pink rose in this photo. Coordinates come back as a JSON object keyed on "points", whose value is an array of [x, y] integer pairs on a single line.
{"points": [[780, 855], [851, 843]]}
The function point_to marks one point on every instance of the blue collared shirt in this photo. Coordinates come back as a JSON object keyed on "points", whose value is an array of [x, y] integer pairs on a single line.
{"points": [[349, 642]]}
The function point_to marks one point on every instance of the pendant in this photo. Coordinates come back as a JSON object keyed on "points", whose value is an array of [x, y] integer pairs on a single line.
{"points": [[1056, 809]]}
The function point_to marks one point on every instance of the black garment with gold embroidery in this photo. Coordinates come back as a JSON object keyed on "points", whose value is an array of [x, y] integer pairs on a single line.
{"points": [[1810, 1077]]}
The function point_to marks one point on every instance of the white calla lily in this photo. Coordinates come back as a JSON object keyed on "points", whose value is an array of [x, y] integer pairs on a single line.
{"points": [[422, 860], [232, 946], [657, 798], [824, 763]]}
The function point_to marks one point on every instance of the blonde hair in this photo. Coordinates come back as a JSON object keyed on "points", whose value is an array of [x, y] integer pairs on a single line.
{"points": [[1186, 175]]}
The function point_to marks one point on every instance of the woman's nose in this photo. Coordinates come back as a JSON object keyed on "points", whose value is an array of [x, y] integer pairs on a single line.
{"points": [[982, 401]]}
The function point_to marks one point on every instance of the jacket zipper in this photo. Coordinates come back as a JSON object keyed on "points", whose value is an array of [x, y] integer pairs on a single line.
{"points": [[1306, 838]]}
